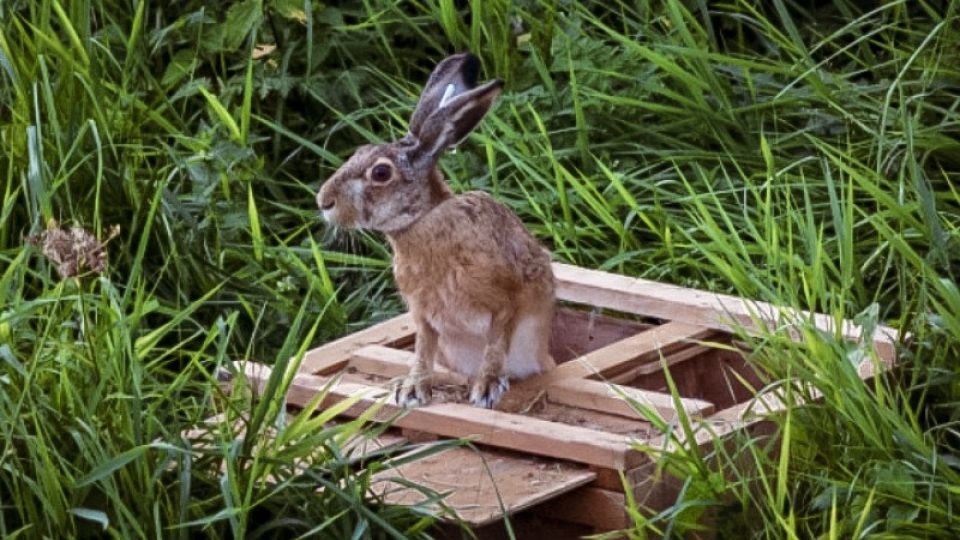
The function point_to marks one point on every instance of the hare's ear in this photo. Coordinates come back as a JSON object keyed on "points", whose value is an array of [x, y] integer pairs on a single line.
{"points": [[450, 107]]}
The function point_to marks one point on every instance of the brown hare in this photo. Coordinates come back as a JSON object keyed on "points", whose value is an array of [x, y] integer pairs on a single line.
{"points": [[478, 285]]}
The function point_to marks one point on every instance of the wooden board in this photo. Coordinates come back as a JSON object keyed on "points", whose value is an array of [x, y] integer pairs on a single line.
{"points": [[577, 411], [717, 311], [670, 359], [332, 356], [481, 485], [721, 377], [641, 348], [575, 332], [631, 428], [575, 392], [394, 363], [600, 508], [613, 399], [491, 427]]}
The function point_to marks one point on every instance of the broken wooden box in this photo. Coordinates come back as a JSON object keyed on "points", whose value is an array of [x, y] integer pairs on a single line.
{"points": [[560, 441]]}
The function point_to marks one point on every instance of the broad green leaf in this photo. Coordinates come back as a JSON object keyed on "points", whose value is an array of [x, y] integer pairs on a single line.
{"points": [[242, 17]]}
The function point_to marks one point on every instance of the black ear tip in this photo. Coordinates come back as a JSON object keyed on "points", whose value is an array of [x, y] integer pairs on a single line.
{"points": [[470, 69]]}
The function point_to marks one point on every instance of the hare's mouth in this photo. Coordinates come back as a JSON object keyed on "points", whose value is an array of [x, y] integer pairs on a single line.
{"points": [[337, 219]]}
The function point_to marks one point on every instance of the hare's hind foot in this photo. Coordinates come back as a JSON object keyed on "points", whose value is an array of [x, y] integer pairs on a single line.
{"points": [[487, 390]]}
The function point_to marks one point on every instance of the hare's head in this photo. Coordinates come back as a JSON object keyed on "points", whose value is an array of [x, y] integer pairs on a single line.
{"points": [[387, 187]]}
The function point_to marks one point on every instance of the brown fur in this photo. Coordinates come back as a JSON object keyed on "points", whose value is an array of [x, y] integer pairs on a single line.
{"points": [[478, 285]]}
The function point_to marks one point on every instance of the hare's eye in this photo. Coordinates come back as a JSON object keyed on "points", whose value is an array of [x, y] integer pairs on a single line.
{"points": [[381, 173]]}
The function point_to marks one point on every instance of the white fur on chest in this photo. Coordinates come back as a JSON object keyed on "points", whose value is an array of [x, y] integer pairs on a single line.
{"points": [[463, 337]]}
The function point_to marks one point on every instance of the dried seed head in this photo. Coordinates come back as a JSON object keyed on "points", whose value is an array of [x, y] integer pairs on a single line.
{"points": [[73, 249]]}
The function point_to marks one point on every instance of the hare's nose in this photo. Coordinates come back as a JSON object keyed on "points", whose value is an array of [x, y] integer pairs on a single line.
{"points": [[325, 203]]}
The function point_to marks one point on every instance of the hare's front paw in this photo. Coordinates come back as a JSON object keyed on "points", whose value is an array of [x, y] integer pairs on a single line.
{"points": [[413, 391], [487, 390]]}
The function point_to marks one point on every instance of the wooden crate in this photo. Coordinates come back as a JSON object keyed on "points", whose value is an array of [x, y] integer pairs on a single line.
{"points": [[560, 440]]}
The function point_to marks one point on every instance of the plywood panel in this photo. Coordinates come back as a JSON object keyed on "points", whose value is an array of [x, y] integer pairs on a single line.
{"points": [[481, 485]]}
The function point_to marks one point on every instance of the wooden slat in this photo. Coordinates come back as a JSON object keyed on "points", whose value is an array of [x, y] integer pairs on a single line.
{"points": [[575, 332], [600, 508], [481, 485], [717, 311], [333, 356], [587, 394], [491, 427], [646, 346], [647, 368], [392, 363], [382, 361], [722, 423], [653, 489], [545, 409], [756, 408], [610, 398], [609, 479]]}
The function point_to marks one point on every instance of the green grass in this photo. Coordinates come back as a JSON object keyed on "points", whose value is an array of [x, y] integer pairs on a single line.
{"points": [[802, 153]]}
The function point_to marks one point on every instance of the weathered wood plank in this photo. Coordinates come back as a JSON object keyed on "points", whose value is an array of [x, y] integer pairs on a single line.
{"points": [[717, 311], [610, 480], [610, 398], [491, 427], [333, 356], [600, 508], [644, 347], [576, 333], [583, 393], [391, 363], [670, 359]]}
